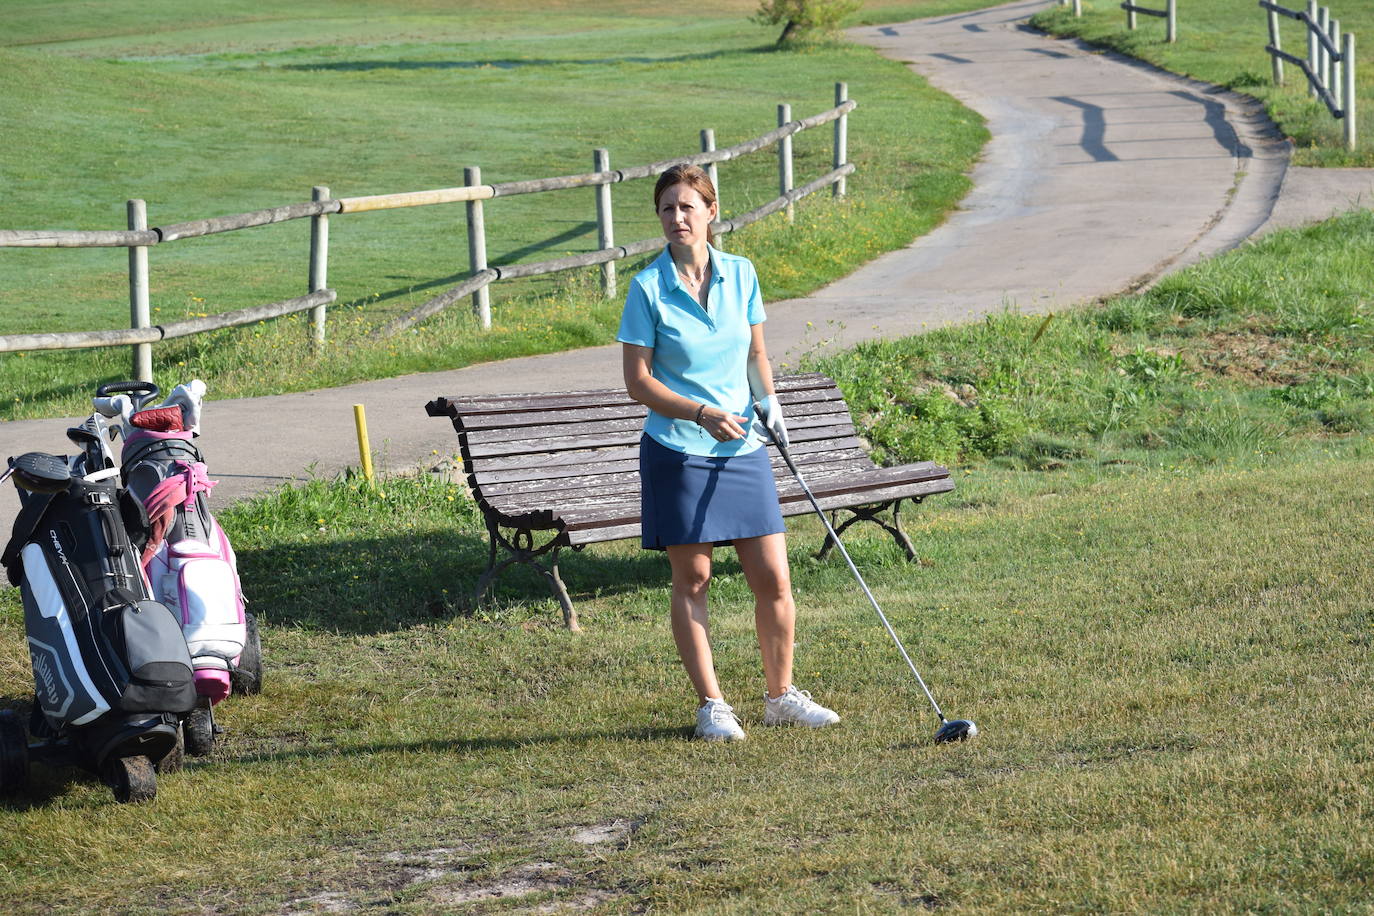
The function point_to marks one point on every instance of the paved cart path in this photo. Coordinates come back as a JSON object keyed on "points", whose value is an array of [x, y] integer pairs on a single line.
{"points": [[1102, 175]]}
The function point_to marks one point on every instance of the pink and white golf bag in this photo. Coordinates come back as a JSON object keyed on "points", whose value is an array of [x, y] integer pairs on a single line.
{"points": [[188, 560]]}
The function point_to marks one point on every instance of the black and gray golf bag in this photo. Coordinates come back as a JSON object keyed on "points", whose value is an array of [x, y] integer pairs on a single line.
{"points": [[112, 674]]}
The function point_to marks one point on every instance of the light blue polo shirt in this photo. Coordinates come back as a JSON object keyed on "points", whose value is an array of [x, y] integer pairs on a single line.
{"points": [[702, 354]]}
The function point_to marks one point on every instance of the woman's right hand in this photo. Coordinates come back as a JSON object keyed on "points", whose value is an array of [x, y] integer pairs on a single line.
{"points": [[722, 425]]}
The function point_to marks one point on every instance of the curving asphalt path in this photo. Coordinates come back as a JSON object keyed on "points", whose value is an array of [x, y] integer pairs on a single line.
{"points": [[1102, 175]]}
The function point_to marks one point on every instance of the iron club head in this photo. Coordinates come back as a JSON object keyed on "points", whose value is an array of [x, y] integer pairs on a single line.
{"points": [[955, 730]]}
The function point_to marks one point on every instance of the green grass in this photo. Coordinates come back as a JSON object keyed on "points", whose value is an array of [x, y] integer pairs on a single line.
{"points": [[1165, 641], [210, 111], [1222, 42]]}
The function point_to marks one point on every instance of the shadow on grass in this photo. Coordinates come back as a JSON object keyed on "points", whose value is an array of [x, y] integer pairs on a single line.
{"points": [[454, 745], [512, 64], [583, 227], [372, 585]]}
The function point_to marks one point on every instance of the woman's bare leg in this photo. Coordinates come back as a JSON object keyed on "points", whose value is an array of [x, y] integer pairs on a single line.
{"points": [[764, 561], [691, 631]]}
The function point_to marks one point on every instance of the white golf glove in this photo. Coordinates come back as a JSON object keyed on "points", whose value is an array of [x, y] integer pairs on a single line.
{"points": [[771, 420]]}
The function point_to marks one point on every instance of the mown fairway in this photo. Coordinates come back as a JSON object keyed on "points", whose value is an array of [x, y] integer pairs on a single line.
{"points": [[1164, 633], [1222, 42], [214, 110]]}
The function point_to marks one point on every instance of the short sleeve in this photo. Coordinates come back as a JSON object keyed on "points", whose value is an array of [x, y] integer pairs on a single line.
{"points": [[755, 307], [637, 324]]}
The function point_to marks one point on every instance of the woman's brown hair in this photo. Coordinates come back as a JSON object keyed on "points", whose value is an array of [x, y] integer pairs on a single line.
{"points": [[693, 176]]}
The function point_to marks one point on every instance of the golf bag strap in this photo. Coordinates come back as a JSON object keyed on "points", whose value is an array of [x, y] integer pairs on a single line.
{"points": [[25, 524], [178, 490]]}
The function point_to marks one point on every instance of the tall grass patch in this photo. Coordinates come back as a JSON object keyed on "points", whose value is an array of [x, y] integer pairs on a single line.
{"points": [[1231, 357]]}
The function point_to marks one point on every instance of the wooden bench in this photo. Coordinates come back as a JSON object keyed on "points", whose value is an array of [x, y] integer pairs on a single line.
{"points": [[567, 464]]}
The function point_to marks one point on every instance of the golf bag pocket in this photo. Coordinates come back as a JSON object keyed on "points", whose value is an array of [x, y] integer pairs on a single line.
{"points": [[199, 584], [64, 686], [159, 666]]}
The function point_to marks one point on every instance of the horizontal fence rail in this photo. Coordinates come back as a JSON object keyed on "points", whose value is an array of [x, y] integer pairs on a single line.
{"points": [[139, 237], [1330, 62]]}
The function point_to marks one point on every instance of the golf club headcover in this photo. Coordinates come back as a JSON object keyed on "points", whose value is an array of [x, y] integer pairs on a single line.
{"points": [[770, 419], [188, 397], [159, 419]]}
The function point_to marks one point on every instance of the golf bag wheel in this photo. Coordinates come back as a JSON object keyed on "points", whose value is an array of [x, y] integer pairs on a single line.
{"points": [[174, 759], [198, 731], [246, 676], [131, 779], [14, 753]]}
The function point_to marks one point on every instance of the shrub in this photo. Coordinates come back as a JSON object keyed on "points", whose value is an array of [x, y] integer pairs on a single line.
{"points": [[804, 19]]}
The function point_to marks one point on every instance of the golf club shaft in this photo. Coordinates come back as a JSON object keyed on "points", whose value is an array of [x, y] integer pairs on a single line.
{"points": [[815, 504]]}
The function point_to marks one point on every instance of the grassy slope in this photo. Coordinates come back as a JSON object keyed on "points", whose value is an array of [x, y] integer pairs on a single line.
{"points": [[1165, 643], [1223, 41], [407, 98]]}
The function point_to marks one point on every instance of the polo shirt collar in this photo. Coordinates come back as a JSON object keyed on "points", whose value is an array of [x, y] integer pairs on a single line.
{"points": [[675, 281]]}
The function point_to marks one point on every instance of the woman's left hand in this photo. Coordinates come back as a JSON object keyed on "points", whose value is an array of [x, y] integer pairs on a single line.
{"points": [[722, 425]]}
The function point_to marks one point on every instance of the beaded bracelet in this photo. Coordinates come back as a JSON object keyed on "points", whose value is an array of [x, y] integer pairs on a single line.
{"points": [[700, 410]]}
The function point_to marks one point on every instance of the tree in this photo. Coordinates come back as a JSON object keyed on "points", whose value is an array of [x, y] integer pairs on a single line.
{"points": [[804, 19]]}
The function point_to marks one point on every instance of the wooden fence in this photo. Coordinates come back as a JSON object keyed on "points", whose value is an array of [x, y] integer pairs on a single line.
{"points": [[1330, 62], [139, 237], [1169, 14]]}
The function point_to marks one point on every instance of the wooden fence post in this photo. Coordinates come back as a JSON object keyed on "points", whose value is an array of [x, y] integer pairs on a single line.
{"points": [[1348, 52], [1078, 8], [1323, 56], [319, 264], [708, 145], [1333, 31], [1275, 42], [1130, 18], [605, 228], [841, 139], [139, 317], [785, 159], [1172, 21], [477, 246], [1312, 44]]}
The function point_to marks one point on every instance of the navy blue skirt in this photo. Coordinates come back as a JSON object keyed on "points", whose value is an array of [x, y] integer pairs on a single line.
{"points": [[699, 499]]}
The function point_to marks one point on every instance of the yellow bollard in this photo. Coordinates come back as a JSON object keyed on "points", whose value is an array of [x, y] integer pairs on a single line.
{"points": [[364, 450]]}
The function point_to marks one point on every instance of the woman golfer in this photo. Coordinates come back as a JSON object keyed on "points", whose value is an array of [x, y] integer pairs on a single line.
{"points": [[692, 332]]}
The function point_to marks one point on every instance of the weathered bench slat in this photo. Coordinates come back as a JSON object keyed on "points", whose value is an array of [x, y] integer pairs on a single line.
{"points": [[603, 438], [609, 461], [624, 476], [493, 444], [514, 428], [480, 405]]}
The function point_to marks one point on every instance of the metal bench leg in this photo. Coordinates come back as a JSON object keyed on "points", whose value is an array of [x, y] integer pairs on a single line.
{"points": [[871, 514], [520, 549]]}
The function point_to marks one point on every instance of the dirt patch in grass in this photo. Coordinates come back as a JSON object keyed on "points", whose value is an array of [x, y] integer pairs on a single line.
{"points": [[1252, 358]]}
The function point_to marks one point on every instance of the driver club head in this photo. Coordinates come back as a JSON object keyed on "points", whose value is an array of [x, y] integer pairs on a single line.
{"points": [[955, 730], [40, 473]]}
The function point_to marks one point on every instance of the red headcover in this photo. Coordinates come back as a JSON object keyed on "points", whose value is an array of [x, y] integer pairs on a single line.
{"points": [[159, 419]]}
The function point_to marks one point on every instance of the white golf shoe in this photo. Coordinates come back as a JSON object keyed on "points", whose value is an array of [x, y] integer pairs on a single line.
{"points": [[716, 721], [795, 707]]}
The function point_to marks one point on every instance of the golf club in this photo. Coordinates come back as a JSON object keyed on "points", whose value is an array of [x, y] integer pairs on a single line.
{"points": [[950, 729]]}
